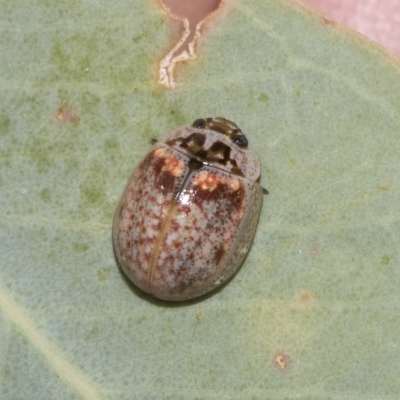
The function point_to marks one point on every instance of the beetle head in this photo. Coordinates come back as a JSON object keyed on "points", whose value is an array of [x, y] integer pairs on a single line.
{"points": [[223, 126]]}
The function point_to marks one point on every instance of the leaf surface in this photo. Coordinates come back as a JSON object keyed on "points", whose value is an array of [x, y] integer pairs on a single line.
{"points": [[313, 313]]}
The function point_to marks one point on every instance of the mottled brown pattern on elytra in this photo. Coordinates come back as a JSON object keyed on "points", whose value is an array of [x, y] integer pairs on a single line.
{"points": [[157, 163], [215, 215], [219, 254], [165, 180], [141, 215], [222, 191]]}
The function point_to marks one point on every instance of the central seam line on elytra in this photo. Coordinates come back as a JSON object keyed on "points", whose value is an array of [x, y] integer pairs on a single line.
{"points": [[163, 231], [157, 248]]}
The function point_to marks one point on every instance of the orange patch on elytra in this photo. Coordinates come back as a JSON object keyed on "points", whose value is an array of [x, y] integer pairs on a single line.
{"points": [[209, 181], [234, 184], [206, 181], [172, 164]]}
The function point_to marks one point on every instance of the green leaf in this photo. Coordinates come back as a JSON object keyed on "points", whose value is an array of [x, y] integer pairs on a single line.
{"points": [[313, 313]]}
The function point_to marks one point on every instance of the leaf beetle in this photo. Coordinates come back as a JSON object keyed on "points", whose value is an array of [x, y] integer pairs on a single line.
{"points": [[189, 213]]}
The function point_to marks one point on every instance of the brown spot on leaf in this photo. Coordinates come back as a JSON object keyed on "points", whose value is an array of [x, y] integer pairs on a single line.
{"points": [[314, 250], [281, 361], [66, 114], [306, 298]]}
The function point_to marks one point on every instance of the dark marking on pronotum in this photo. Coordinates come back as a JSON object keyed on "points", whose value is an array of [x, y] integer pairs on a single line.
{"points": [[217, 153]]}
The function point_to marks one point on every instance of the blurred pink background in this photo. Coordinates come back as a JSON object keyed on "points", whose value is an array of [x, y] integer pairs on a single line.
{"points": [[377, 19]]}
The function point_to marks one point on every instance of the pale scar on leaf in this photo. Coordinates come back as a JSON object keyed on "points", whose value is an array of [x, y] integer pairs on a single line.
{"points": [[192, 14]]}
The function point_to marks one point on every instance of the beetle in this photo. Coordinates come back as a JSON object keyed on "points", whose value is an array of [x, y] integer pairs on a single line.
{"points": [[189, 213]]}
